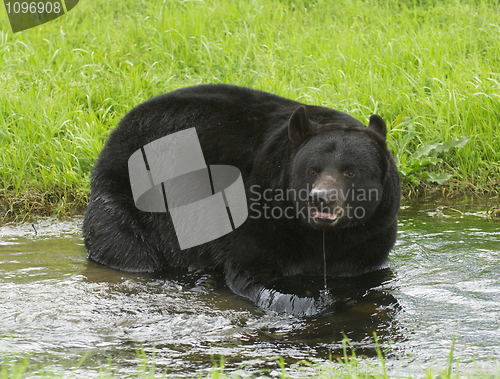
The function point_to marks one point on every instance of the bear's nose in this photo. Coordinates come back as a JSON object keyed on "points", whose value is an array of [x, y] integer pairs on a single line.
{"points": [[319, 196]]}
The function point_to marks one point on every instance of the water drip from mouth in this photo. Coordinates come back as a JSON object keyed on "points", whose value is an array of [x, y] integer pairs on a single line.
{"points": [[324, 260], [325, 296]]}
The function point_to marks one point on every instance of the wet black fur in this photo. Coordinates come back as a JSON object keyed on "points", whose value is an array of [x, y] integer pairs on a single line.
{"points": [[247, 129]]}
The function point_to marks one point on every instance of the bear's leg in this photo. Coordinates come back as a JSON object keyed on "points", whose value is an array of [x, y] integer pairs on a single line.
{"points": [[123, 238], [249, 283]]}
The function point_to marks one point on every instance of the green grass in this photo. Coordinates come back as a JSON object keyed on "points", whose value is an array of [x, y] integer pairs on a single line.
{"points": [[347, 366], [430, 68]]}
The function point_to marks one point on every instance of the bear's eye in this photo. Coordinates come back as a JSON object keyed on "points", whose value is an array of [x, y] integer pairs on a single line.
{"points": [[313, 172], [349, 173]]}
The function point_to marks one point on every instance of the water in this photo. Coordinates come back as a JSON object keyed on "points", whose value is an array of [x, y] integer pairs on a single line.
{"points": [[444, 282]]}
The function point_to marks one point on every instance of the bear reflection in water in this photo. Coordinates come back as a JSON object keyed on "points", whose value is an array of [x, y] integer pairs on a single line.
{"points": [[322, 190], [360, 294]]}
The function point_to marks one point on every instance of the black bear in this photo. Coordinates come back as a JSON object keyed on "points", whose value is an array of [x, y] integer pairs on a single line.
{"points": [[323, 193]]}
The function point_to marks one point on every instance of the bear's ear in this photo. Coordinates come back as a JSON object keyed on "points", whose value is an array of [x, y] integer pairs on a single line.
{"points": [[378, 125], [298, 126]]}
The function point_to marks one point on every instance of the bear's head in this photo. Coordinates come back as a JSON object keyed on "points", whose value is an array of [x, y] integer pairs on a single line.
{"points": [[342, 166]]}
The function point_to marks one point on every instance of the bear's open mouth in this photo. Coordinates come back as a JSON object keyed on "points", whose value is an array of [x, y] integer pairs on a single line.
{"points": [[325, 215]]}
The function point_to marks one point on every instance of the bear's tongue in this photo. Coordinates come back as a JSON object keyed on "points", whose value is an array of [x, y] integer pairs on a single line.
{"points": [[328, 216]]}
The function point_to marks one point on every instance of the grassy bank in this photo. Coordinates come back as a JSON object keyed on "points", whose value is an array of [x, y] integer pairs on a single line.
{"points": [[347, 366], [430, 68]]}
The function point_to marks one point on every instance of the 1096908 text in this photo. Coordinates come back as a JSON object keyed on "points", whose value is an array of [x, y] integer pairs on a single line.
{"points": [[33, 7]]}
